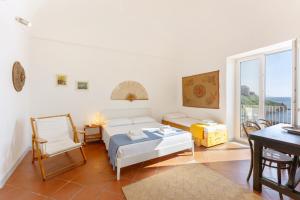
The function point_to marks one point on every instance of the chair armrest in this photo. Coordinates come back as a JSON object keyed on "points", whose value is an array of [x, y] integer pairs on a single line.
{"points": [[40, 140], [81, 132]]}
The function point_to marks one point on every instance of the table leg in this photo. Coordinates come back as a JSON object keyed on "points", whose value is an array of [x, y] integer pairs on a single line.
{"points": [[292, 175], [257, 166]]}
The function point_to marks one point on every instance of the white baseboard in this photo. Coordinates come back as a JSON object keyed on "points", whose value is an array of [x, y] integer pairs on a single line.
{"points": [[13, 167]]}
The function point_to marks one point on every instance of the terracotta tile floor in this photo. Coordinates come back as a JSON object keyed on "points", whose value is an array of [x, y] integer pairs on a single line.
{"points": [[96, 179]]}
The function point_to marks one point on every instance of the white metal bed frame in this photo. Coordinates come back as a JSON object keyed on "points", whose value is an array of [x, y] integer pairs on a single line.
{"points": [[124, 162]]}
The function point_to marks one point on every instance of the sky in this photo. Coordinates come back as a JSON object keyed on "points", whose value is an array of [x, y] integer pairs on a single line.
{"points": [[278, 74]]}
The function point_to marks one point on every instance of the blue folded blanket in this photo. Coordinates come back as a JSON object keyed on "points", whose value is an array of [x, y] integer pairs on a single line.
{"points": [[122, 139]]}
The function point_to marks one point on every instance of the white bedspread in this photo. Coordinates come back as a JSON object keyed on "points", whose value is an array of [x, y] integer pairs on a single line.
{"points": [[142, 147]]}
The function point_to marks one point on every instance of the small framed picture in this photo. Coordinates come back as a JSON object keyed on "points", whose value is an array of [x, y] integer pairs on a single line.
{"points": [[61, 79], [82, 85]]}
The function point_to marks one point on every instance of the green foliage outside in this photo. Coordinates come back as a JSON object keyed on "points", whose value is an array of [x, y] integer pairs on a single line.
{"points": [[254, 100]]}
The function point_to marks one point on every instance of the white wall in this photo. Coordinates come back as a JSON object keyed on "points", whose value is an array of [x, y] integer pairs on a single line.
{"points": [[234, 27], [104, 69], [14, 134], [104, 42]]}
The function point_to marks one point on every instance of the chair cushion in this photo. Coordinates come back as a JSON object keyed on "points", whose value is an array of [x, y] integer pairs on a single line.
{"points": [[60, 146], [53, 129], [276, 156]]}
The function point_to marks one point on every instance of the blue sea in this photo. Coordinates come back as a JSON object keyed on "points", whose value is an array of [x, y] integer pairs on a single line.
{"points": [[278, 115]]}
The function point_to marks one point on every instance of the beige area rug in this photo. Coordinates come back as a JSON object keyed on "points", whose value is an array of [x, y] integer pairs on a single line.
{"points": [[188, 182], [229, 146]]}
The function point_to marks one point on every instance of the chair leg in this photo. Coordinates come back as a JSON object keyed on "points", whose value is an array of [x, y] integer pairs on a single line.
{"points": [[41, 166], [39, 158], [279, 178], [289, 170], [33, 156], [250, 171], [251, 167], [264, 164], [83, 155], [279, 174]]}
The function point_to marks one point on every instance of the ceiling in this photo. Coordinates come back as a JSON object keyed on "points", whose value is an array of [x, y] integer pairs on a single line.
{"points": [[173, 29]]}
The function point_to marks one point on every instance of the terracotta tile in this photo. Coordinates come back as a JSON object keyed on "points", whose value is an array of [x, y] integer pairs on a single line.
{"points": [[68, 175], [128, 173], [97, 180], [105, 195], [20, 194], [6, 190], [116, 186], [105, 169], [68, 191], [41, 187], [88, 192], [93, 178]]}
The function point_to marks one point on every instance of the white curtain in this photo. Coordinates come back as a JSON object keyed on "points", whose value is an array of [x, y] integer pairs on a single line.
{"points": [[296, 96]]}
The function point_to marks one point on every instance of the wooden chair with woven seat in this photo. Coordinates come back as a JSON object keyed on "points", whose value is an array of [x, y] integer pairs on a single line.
{"points": [[263, 123], [52, 136], [270, 157]]}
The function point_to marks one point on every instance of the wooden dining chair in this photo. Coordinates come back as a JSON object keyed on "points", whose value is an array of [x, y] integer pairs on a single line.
{"points": [[270, 157], [52, 136], [263, 123]]}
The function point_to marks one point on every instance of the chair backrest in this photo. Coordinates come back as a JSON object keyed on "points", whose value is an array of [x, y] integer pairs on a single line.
{"points": [[263, 123], [250, 127], [54, 128], [251, 113]]}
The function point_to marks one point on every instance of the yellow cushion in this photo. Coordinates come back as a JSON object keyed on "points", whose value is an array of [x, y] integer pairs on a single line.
{"points": [[197, 130], [213, 139], [208, 135]]}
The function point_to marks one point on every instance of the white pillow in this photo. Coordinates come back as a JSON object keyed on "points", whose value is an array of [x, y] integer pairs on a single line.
{"points": [[118, 122], [175, 116], [140, 120]]}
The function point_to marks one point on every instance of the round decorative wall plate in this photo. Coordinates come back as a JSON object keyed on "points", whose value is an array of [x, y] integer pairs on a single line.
{"points": [[18, 76]]}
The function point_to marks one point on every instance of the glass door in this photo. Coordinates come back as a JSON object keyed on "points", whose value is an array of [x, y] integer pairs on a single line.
{"points": [[265, 88], [251, 103], [278, 97]]}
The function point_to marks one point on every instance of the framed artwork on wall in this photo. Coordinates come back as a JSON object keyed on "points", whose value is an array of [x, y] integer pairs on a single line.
{"points": [[201, 90], [61, 80], [82, 85]]}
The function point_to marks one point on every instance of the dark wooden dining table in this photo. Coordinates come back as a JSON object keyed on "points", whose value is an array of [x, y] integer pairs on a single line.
{"points": [[278, 139]]}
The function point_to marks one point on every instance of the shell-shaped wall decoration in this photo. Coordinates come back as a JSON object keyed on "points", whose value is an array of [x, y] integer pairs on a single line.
{"points": [[129, 90], [18, 76]]}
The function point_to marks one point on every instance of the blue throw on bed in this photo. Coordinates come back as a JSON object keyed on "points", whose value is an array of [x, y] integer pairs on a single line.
{"points": [[122, 139]]}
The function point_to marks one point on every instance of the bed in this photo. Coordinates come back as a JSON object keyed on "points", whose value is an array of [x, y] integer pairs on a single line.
{"points": [[205, 132], [179, 120], [142, 151]]}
